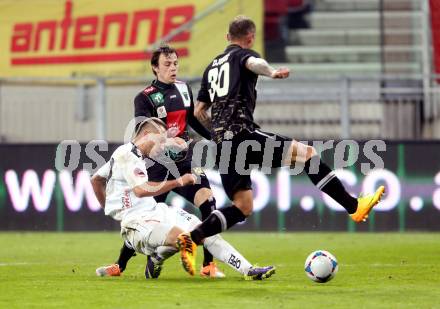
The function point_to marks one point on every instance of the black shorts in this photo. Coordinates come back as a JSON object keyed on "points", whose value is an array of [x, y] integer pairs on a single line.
{"points": [[159, 172], [258, 148]]}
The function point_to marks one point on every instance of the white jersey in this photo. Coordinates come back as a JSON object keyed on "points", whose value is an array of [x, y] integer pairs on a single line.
{"points": [[125, 170]]}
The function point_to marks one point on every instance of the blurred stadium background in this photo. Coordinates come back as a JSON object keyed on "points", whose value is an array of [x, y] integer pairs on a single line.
{"points": [[362, 70]]}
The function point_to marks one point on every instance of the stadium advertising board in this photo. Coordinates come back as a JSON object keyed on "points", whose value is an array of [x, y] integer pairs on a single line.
{"points": [[435, 26], [38, 194], [103, 38]]}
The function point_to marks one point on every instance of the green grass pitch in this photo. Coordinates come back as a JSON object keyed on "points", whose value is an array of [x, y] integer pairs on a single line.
{"points": [[57, 270]]}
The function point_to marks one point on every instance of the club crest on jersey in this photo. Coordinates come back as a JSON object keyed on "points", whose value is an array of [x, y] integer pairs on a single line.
{"points": [[185, 95], [161, 112], [157, 98]]}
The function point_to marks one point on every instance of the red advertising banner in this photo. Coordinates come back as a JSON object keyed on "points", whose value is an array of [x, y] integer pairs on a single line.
{"points": [[435, 26]]}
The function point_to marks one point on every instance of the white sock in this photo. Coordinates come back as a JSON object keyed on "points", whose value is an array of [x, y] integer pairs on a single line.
{"points": [[163, 252], [224, 252]]}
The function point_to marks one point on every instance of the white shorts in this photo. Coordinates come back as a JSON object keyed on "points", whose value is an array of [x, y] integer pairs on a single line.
{"points": [[150, 230]]}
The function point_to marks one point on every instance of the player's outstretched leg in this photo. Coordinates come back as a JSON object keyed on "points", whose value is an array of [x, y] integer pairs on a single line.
{"points": [[366, 203], [260, 273], [218, 221], [225, 252], [326, 180], [209, 267]]}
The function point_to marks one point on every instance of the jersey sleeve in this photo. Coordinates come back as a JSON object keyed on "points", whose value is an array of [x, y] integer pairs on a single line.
{"points": [[203, 95], [142, 106], [104, 171], [244, 55]]}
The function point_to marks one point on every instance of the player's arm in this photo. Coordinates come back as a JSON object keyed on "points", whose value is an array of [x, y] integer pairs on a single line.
{"points": [[151, 188], [135, 173], [195, 123], [99, 183], [201, 112], [203, 101], [142, 106], [261, 67]]}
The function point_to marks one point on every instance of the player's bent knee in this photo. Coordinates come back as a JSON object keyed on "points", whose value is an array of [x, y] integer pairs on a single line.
{"points": [[202, 196], [244, 201], [246, 208], [171, 237]]}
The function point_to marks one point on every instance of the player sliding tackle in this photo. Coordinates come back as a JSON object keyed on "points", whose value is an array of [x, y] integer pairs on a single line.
{"points": [[228, 88], [148, 227]]}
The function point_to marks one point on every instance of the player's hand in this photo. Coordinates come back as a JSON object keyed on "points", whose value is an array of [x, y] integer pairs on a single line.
{"points": [[177, 144], [200, 112], [172, 132], [187, 180], [280, 73]]}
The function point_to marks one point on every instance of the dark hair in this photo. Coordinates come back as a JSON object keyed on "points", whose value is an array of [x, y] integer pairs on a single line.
{"points": [[164, 49], [241, 26]]}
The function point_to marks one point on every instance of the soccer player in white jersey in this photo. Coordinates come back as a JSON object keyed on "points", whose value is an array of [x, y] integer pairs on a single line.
{"points": [[150, 228]]}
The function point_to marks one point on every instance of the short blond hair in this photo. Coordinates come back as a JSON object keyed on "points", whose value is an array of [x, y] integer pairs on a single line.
{"points": [[151, 125]]}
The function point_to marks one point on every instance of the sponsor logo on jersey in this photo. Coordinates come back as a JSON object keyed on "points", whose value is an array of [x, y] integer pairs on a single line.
{"points": [[126, 201], [138, 172], [177, 119], [149, 90]]}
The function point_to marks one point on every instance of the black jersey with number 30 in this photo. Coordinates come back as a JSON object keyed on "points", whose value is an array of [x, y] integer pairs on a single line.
{"points": [[229, 87]]}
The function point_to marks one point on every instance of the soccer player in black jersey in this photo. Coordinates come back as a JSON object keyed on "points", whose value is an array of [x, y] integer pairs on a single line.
{"points": [[228, 88], [172, 101]]}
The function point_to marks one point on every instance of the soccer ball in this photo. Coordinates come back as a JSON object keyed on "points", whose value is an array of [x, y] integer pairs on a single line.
{"points": [[321, 266]]}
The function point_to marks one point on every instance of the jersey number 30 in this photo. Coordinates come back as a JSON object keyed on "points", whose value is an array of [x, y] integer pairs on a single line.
{"points": [[218, 79]]}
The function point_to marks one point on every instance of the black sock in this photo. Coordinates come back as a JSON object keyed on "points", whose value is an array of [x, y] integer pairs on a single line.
{"points": [[325, 179], [206, 209], [217, 222], [124, 257]]}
